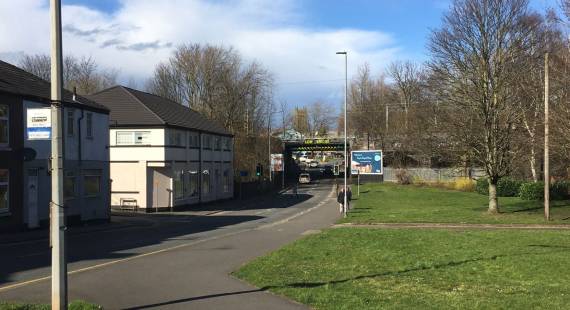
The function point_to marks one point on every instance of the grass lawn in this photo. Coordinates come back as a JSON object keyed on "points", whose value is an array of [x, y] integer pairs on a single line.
{"points": [[74, 305], [359, 268], [392, 203]]}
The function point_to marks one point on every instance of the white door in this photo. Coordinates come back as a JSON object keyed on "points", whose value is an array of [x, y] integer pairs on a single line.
{"points": [[33, 193]]}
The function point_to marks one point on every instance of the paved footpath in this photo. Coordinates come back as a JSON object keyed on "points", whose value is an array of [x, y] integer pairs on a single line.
{"points": [[175, 262]]}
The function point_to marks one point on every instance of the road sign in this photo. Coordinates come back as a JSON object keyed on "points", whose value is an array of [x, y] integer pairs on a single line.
{"points": [[243, 173], [38, 125], [366, 162]]}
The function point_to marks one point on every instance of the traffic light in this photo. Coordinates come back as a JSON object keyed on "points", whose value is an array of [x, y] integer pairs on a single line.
{"points": [[259, 170], [336, 170]]}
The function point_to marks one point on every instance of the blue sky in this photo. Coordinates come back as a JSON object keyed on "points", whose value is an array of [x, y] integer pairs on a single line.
{"points": [[294, 39]]}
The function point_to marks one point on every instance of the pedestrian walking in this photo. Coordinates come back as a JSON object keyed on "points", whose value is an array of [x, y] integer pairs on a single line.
{"points": [[296, 189], [340, 199]]}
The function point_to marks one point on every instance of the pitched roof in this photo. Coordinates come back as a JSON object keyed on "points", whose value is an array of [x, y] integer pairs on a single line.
{"points": [[130, 107], [19, 82]]}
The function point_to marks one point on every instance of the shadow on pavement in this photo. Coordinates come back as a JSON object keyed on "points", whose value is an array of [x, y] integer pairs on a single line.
{"points": [[110, 244]]}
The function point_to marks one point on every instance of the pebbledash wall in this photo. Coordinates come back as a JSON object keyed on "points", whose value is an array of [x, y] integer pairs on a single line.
{"points": [[169, 167]]}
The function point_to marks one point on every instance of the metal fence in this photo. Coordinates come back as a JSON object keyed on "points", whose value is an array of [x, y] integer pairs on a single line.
{"points": [[432, 174]]}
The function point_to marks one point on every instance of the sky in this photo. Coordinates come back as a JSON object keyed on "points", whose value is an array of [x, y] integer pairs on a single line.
{"points": [[296, 40]]}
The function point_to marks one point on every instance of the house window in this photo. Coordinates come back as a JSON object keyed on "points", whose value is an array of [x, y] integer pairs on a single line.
{"points": [[92, 182], [69, 185], [4, 190], [133, 137], [218, 143], [207, 141], [227, 184], [4, 125], [178, 185], [70, 122], [194, 140], [191, 186], [227, 144], [206, 182], [89, 121], [176, 138]]}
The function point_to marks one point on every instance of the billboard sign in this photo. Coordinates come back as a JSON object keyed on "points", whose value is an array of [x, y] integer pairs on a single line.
{"points": [[366, 162], [276, 162], [38, 125]]}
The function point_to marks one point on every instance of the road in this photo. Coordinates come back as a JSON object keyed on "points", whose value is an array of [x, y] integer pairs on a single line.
{"points": [[177, 261]]}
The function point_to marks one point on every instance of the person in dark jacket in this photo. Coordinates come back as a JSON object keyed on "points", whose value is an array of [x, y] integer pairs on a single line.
{"points": [[340, 199]]}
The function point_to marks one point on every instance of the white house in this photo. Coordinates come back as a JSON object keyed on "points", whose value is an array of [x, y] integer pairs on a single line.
{"points": [[25, 180], [164, 155]]}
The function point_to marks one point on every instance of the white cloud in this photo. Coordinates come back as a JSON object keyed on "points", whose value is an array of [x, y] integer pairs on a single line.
{"points": [[142, 33]]}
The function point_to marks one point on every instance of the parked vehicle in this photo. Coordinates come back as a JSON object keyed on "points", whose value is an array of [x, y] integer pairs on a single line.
{"points": [[304, 178], [314, 164]]}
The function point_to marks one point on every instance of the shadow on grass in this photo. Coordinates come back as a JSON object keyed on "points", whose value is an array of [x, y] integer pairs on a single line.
{"points": [[370, 276]]}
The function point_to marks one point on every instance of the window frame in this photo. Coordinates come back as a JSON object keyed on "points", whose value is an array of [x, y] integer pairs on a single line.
{"points": [[206, 179], [92, 173], [5, 118], [133, 134], [6, 210], [70, 117], [89, 125], [178, 184], [67, 176]]}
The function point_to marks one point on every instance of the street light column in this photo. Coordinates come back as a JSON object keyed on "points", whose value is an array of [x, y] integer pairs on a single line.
{"points": [[345, 205]]}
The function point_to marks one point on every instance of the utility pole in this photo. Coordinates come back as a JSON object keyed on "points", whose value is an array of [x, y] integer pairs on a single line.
{"points": [[282, 138], [546, 145], [269, 147], [345, 205], [57, 212]]}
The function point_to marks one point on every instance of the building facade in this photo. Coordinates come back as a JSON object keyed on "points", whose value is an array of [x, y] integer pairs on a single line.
{"points": [[25, 178], [164, 155]]}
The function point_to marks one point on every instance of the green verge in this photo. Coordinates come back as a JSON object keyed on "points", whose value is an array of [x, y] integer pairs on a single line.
{"points": [[392, 203], [74, 305], [358, 268]]}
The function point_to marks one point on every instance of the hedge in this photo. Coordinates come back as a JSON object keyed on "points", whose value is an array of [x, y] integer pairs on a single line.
{"points": [[506, 187], [535, 190]]}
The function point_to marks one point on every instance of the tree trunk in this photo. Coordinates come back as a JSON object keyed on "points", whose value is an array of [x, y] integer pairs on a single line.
{"points": [[533, 164], [493, 201]]}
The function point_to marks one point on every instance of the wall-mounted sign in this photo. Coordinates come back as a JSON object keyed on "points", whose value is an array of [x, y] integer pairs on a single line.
{"points": [[276, 162], [38, 125], [366, 162]]}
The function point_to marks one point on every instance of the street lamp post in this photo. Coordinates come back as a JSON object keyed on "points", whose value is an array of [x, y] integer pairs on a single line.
{"points": [[345, 205], [57, 214]]}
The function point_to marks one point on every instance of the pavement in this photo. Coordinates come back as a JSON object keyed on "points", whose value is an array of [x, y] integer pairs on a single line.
{"points": [[172, 260]]}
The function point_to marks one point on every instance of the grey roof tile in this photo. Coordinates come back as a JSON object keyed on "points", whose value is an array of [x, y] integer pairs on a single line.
{"points": [[130, 107]]}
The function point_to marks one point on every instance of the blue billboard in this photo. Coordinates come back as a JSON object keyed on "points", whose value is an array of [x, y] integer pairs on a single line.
{"points": [[366, 162]]}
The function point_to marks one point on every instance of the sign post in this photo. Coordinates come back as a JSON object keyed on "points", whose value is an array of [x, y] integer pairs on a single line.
{"points": [[358, 183]]}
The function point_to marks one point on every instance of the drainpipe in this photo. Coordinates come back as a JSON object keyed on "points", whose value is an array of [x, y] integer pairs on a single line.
{"points": [[200, 168], [79, 148]]}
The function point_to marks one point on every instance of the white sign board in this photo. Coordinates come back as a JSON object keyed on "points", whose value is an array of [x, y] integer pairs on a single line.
{"points": [[38, 126]]}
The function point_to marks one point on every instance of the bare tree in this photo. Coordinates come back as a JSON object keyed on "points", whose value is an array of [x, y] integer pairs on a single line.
{"points": [[320, 118], [408, 78], [368, 101], [83, 73], [215, 81], [478, 54]]}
